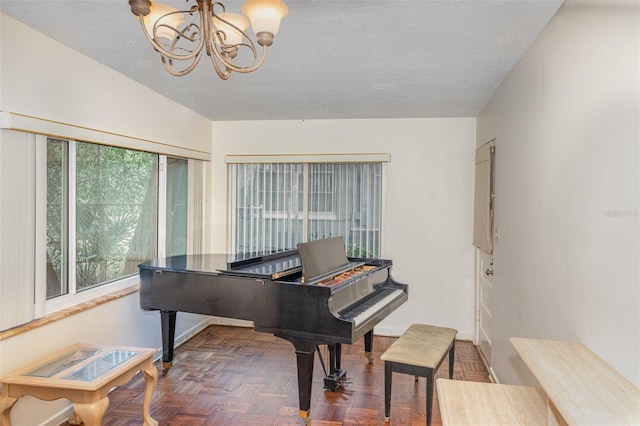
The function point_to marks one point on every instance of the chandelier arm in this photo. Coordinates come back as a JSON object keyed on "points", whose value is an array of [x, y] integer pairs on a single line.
{"points": [[168, 53], [167, 63], [243, 70], [222, 74], [210, 37], [215, 49]]}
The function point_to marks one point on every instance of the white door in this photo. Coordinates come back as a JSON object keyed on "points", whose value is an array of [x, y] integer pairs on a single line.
{"points": [[484, 294], [483, 239]]}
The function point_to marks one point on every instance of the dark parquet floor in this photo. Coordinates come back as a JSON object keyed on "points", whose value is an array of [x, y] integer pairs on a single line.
{"points": [[236, 376]]}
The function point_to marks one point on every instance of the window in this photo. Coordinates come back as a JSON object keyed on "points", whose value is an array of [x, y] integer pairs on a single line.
{"points": [[176, 206], [102, 212], [77, 218], [275, 206], [116, 208], [57, 223]]}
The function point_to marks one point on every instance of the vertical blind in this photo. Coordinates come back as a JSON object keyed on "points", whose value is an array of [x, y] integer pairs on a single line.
{"points": [[17, 231], [195, 209], [345, 199], [275, 206], [268, 207]]}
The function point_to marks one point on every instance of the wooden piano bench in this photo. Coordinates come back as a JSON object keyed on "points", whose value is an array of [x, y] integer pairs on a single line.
{"points": [[419, 352]]}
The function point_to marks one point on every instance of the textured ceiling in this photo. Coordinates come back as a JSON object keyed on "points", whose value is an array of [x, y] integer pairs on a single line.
{"points": [[331, 58]]}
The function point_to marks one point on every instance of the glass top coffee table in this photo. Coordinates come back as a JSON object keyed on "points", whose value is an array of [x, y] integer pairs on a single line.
{"points": [[84, 374]]}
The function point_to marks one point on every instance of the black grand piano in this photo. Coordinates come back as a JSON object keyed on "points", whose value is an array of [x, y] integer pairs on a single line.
{"points": [[314, 295]]}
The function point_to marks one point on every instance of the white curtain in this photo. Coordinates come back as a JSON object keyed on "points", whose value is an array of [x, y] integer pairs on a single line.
{"points": [[483, 201], [196, 206], [17, 230], [275, 206], [345, 200]]}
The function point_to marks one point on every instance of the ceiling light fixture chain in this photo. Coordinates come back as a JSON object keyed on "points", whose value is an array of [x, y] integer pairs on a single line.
{"points": [[220, 34]]}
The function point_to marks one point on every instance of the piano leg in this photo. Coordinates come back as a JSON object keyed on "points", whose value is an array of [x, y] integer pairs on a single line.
{"points": [[168, 323], [368, 345], [305, 351]]}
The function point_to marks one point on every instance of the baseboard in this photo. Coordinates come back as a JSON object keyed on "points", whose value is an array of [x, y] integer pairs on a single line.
{"points": [[492, 374], [35, 412], [388, 331], [188, 334], [230, 322], [60, 418], [185, 336]]}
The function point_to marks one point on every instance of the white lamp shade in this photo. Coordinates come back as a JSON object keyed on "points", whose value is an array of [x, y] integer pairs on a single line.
{"points": [[231, 35], [158, 14], [265, 15]]}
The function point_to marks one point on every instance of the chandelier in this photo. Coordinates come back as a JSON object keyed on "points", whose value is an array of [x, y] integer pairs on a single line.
{"points": [[181, 36]]}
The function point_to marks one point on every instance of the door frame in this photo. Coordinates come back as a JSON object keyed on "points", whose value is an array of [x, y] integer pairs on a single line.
{"points": [[483, 267]]}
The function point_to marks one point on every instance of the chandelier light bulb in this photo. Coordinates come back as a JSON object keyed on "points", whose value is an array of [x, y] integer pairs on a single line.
{"points": [[165, 19], [231, 35], [265, 16]]}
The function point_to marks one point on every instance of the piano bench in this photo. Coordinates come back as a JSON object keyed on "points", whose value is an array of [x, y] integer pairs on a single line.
{"points": [[419, 351]]}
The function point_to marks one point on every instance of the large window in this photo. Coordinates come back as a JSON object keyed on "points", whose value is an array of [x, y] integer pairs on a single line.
{"points": [[77, 218], [176, 206], [57, 217], [278, 205], [103, 211]]}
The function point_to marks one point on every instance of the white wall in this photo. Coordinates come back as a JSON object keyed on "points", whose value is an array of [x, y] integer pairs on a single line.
{"points": [[43, 78], [566, 123], [62, 88], [120, 322], [428, 226], [40, 77], [430, 178]]}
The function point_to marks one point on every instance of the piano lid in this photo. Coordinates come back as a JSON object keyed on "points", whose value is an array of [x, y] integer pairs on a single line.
{"points": [[324, 258], [200, 263], [317, 260], [271, 265]]}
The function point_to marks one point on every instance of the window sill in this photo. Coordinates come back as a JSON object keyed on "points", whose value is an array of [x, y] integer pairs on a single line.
{"points": [[64, 313]]}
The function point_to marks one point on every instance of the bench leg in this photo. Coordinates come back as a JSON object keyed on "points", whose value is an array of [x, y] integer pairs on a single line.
{"points": [[430, 379], [452, 357], [388, 372]]}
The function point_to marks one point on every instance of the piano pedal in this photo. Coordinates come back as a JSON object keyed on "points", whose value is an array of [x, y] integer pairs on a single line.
{"points": [[335, 380]]}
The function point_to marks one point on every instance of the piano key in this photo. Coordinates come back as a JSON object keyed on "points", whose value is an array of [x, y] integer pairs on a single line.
{"points": [[368, 308]]}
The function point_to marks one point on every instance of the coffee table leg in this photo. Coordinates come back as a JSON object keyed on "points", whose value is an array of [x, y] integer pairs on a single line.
{"points": [[151, 378], [6, 403], [74, 419], [91, 414]]}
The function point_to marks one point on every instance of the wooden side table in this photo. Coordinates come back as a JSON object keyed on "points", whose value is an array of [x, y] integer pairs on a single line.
{"points": [[84, 374], [465, 403], [581, 388]]}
